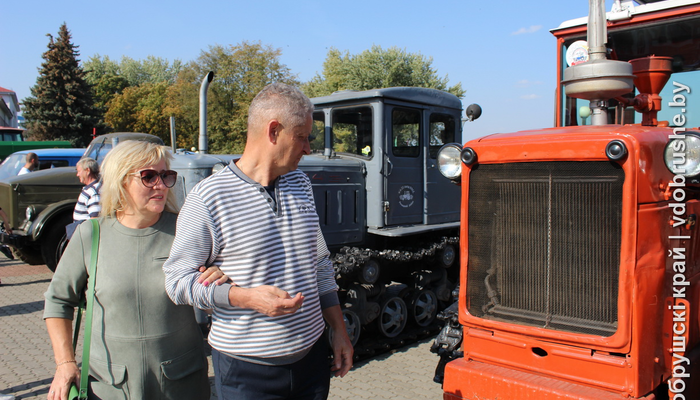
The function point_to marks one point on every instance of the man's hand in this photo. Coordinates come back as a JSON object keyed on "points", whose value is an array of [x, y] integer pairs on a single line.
{"points": [[342, 347], [269, 300], [342, 353]]}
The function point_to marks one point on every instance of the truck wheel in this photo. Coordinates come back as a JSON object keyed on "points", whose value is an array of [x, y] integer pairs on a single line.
{"points": [[28, 255], [54, 242]]}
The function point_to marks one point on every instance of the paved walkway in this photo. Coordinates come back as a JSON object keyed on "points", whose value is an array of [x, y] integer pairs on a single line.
{"points": [[27, 366]]}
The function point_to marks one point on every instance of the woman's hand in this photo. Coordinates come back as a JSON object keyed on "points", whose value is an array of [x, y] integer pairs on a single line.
{"points": [[211, 275], [67, 371], [66, 374]]}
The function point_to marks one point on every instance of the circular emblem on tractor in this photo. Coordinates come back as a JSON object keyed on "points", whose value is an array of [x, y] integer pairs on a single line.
{"points": [[577, 53], [406, 194]]}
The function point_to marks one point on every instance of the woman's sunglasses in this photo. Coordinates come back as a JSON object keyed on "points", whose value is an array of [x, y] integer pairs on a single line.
{"points": [[149, 177]]}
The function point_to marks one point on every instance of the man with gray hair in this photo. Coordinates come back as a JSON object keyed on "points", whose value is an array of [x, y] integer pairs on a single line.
{"points": [[88, 205], [256, 220]]}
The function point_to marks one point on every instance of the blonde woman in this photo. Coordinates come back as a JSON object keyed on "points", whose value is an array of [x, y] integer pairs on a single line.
{"points": [[143, 345]]}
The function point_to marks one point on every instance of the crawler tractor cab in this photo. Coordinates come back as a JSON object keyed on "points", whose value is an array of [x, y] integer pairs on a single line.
{"points": [[579, 245]]}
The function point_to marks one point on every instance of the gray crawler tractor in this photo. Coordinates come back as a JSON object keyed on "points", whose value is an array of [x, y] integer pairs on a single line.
{"points": [[390, 219]]}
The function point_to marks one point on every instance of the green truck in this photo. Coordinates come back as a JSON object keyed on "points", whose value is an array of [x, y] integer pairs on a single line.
{"points": [[12, 140]]}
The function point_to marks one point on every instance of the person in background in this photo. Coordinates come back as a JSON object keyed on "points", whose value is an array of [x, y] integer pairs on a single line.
{"points": [[88, 205], [32, 162], [257, 221], [143, 346]]}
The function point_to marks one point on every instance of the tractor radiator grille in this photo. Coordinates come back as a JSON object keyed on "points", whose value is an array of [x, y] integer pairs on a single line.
{"points": [[544, 244]]}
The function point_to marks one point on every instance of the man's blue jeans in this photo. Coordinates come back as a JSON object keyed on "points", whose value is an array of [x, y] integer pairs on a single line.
{"points": [[306, 379]]}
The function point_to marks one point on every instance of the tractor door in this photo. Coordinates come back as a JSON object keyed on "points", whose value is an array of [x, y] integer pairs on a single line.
{"points": [[442, 197], [403, 169]]}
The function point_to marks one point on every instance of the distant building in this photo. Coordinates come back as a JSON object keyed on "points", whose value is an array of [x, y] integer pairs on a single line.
{"points": [[9, 108]]}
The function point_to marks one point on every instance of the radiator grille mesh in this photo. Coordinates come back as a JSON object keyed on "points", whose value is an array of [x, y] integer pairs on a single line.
{"points": [[544, 244]]}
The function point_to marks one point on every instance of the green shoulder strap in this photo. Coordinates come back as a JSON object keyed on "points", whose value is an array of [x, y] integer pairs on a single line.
{"points": [[90, 295]]}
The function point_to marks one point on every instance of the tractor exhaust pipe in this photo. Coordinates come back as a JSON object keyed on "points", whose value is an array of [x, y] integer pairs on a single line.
{"points": [[597, 30], [203, 146], [597, 33], [598, 79]]}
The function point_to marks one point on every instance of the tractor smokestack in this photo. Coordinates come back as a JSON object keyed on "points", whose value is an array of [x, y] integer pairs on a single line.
{"points": [[598, 79], [597, 30], [203, 146]]}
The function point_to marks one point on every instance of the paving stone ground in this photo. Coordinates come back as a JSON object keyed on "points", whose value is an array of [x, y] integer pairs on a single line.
{"points": [[27, 366]]}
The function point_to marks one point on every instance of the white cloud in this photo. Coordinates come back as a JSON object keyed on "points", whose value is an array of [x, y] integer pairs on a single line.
{"points": [[531, 29], [525, 83]]}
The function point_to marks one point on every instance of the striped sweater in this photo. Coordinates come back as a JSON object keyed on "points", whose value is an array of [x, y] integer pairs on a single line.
{"points": [[88, 205], [230, 221]]}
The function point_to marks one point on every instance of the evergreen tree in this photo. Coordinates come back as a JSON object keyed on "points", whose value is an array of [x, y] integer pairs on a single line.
{"points": [[61, 104]]}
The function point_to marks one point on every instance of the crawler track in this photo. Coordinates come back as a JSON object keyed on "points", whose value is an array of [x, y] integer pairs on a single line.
{"points": [[391, 297]]}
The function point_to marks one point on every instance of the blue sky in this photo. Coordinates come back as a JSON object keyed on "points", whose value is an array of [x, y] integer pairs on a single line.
{"points": [[501, 52]]}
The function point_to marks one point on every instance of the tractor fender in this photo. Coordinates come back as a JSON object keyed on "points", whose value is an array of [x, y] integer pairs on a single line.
{"points": [[47, 216]]}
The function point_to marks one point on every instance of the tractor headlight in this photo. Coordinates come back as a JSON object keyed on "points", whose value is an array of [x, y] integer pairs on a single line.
{"points": [[616, 150], [682, 156], [449, 162]]}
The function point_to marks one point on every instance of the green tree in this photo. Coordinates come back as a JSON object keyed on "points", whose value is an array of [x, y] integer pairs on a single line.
{"points": [[109, 78], [151, 70], [141, 109], [140, 96], [241, 71], [105, 78], [61, 105], [182, 102], [377, 68]]}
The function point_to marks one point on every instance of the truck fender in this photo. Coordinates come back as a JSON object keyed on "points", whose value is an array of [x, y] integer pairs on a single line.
{"points": [[39, 225]]}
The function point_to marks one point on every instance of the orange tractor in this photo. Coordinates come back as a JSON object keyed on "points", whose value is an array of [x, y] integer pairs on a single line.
{"points": [[580, 271]]}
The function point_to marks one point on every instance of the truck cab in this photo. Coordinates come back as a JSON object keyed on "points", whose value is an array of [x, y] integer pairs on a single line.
{"points": [[12, 140]]}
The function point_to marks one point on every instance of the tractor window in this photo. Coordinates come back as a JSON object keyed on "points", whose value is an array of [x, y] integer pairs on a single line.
{"points": [[442, 131], [317, 133], [676, 38], [405, 128], [352, 131]]}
